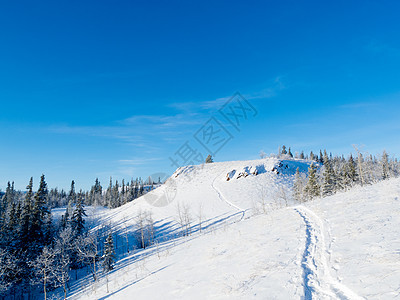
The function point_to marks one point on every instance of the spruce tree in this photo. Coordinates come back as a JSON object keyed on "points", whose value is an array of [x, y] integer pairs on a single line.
{"points": [[312, 189], [321, 157], [302, 156], [115, 195], [65, 219], [312, 156], [77, 219], [72, 193], [328, 186], [290, 153], [109, 254], [40, 214], [284, 151], [352, 170], [131, 191], [209, 159]]}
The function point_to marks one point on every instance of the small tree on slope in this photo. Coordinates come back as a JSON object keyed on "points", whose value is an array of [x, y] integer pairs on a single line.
{"points": [[297, 186], [385, 166], [312, 189], [77, 220], [109, 254]]}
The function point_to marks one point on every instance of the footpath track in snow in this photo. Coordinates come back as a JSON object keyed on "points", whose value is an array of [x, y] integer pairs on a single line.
{"points": [[221, 196], [318, 282]]}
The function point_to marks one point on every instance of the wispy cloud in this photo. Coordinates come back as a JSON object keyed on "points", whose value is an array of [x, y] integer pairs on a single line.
{"points": [[274, 86], [138, 161], [359, 105], [164, 121]]}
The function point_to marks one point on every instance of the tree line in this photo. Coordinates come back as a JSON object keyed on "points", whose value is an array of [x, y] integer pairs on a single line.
{"points": [[330, 174], [38, 254]]}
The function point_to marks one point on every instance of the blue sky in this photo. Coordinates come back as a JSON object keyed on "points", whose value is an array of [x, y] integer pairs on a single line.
{"points": [[99, 88]]}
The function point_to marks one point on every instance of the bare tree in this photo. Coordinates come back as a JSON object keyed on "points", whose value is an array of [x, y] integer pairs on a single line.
{"points": [[145, 228], [87, 247], [45, 268], [184, 218], [261, 203], [200, 215], [63, 247]]}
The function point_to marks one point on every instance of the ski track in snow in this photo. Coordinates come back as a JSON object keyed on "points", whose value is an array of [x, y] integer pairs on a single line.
{"points": [[318, 282], [224, 199]]}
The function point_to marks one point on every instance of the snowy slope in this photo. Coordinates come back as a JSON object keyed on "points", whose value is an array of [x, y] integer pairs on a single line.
{"points": [[208, 187], [341, 247]]}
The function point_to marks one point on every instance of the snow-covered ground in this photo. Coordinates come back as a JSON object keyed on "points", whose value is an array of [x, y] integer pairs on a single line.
{"points": [[255, 241]]}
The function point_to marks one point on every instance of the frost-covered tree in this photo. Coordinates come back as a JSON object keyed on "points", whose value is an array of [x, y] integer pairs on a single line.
{"points": [[298, 187], [72, 194], [312, 189], [351, 170], [45, 269], [312, 156], [145, 228], [63, 249], [88, 250], [109, 254], [385, 166], [184, 218], [262, 154], [328, 186], [77, 219], [40, 216], [7, 267]]}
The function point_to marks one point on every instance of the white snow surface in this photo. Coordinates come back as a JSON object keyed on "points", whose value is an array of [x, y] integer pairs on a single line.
{"points": [[346, 246]]}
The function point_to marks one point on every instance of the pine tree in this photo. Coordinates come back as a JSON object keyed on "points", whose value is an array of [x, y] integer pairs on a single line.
{"points": [[131, 191], [209, 159], [115, 202], [109, 193], [321, 157], [109, 254], [284, 152], [65, 219], [312, 189], [352, 170], [123, 196], [72, 193], [290, 153], [312, 156], [328, 186], [7, 199], [12, 221], [136, 191], [40, 214], [302, 155], [77, 219]]}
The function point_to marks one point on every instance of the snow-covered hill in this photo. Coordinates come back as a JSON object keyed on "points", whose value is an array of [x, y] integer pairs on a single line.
{"points": [[255, 241], [222, 191]]}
